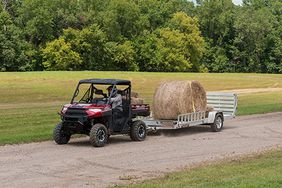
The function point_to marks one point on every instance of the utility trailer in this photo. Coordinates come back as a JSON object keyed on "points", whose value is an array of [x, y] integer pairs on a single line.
{"points": [[224, 107]]}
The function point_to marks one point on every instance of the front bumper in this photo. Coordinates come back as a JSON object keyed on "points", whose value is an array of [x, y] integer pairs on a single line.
{"points": [[75, 124]]}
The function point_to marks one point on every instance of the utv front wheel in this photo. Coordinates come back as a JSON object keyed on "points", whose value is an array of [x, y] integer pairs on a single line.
{"points": [[138, 131], [59, 136], [98, 135]]}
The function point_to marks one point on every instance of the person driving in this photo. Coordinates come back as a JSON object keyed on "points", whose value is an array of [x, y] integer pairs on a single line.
{"points": [[116, 99]]}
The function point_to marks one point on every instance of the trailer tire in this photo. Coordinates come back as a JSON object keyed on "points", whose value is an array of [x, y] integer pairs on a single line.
{"points": [[138, 131], [217, 125], [60, 137], [98, 135]]}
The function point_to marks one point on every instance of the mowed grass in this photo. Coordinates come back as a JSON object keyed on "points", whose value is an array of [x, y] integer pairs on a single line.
{"points": [[258, 103], [260, 171], [30, 101]]}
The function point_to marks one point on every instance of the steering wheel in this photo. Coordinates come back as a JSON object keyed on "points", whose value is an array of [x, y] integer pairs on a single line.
{"points": [[88, 100]]}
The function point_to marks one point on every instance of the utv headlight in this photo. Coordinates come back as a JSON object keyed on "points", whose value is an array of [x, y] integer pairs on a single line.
{"points": [[95, 110], [64, 109]]}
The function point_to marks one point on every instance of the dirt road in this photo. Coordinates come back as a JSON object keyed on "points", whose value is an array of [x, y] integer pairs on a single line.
{"points": [[80, 165]]}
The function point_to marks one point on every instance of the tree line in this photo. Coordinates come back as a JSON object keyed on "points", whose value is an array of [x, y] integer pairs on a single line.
{"points": [[141, 35]]}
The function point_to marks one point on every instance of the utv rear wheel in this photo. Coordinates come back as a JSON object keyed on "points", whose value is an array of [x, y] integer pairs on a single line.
{"points": [[98, 135], [217, 124], [138, 131], [59, 136]]}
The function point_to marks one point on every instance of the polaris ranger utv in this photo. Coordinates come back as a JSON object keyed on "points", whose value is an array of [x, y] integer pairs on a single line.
{"points": [[90, 112]]}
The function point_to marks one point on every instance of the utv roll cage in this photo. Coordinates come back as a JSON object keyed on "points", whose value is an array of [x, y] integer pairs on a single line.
{"points": [[112, 82]]}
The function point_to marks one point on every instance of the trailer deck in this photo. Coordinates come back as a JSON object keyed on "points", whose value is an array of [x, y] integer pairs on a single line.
{"points": [[221, 103]]}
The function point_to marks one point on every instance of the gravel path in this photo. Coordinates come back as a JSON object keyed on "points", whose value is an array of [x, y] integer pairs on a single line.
{"points": [[78, 164]]}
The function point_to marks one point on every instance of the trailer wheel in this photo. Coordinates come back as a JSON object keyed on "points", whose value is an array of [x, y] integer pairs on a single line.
{"points": [[98, 135], [59, 136], [138, 131], [218, 123]]}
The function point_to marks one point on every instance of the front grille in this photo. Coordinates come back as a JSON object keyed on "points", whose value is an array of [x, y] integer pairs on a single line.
{"points": [[75, 112], [71, 119]]}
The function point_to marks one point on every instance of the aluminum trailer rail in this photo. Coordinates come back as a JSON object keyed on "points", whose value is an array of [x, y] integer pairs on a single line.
{"points": [[222, 103]]}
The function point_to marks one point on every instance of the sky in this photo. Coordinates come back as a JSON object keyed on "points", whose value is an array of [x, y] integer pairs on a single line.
{"points": [[237, 2]]}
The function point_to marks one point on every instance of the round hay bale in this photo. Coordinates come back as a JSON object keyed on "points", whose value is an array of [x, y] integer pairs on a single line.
{"points": [[134, 94], [178, 97], [209, 109], [136, 100]]}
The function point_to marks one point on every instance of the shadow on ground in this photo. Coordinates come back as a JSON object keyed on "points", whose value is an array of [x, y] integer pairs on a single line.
{"points": [[187, 131], [123, 139], [115, 139]]}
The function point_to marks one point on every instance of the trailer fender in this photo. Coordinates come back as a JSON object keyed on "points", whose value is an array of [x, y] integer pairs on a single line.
{"points": [[212, 115]]}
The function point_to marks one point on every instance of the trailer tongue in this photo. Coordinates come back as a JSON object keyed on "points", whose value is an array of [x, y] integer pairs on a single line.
{"points": [[224, 107]]}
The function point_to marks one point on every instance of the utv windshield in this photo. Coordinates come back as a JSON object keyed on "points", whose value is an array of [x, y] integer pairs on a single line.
{"points": [[88, 93]]}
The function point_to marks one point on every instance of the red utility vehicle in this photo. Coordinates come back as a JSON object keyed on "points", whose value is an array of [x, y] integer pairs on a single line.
{"points": [[90, 112]]}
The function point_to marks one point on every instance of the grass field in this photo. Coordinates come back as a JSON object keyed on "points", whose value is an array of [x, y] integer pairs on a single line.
{"points": [[30, 101], [260, 171]]}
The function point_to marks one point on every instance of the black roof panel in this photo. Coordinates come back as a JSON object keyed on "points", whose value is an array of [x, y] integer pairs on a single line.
{"points": [[105, 81]]}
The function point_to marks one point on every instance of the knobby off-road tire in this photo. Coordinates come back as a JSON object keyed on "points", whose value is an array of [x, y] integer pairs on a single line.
{"points": [[218, 123], [98, 135], [59, 136], [138, 131]]}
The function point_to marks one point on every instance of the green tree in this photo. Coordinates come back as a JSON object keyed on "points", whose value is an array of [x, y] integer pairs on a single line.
{"points": [[12, 47], [146, 46], [275, 54], [193, 41], [37, 21], [89, 43], [121, 56], [178, 47], [147, 35], [58, 55], [216, 18], [215, 60], [258, 4], [155, 13], [121, 20], [171, 52], [254, 39], [43, 21]]}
